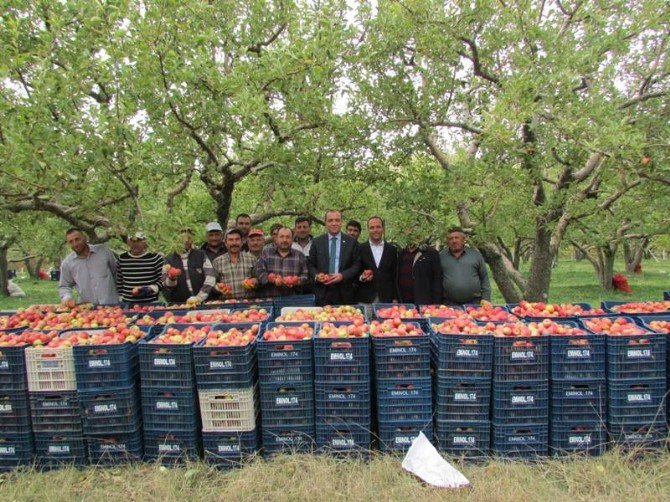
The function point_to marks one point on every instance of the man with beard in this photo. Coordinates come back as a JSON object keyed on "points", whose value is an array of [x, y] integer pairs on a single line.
{"points": [[235, 267], [278, 263], [188, 276]]}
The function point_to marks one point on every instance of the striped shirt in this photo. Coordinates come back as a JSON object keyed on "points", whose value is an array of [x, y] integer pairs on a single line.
{"points": [[137, 272], [233, 273]]}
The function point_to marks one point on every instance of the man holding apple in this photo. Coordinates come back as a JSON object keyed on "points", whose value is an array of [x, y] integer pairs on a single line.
{"points": [[282, 269], [139, 272], [379, 261], [235, 269], [188, 275]]}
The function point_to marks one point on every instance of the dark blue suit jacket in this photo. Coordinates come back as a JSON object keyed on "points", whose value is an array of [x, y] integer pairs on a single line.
{"points": [[350, 266]]}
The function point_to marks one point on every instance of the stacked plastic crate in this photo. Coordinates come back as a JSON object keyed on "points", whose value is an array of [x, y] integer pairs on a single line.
{"points": [[462, 354], [286, 373], [226, 373], [401, 350], [636, 380], [343, 386]]}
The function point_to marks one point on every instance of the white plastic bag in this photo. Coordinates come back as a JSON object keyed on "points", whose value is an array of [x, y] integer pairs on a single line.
{"points": [[424, 461]]}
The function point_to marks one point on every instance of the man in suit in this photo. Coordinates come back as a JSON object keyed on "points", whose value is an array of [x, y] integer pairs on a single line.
{"points": [[334, 263], [379, 261], [419, 272]]}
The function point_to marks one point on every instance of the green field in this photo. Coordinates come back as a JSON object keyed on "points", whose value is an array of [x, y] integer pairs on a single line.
{"points": [[614, 476]]}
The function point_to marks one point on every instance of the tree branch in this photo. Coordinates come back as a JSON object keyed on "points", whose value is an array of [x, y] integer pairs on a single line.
{"points": [[643, 97], [476, 62]]}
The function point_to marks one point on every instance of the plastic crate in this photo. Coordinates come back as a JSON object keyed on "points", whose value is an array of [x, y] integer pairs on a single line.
{"points": [[520, 402], [13, 368], [50, 369], [229, 449], [462, 400], [343, 438], [293, 439], [404, 400], [578, 401], [285, 404], [399, 437], [461, 356], [527, 441], [166, 365], [529, 318], [457, 311], [401, 356], [636, 356], [343, 402], [644, 320], [14, 412], [521, 358], [286, 361], [293, 301], [609, 306], [16, 450], [55, 412], [57, 450], [174, 410], [376, 307], [228, 410], [171, 448], [638, 435], [338, 359], [578, 357], [582, 438], [226, 367], [467, 440], [115, 411], [115, 448], [636, 401]]}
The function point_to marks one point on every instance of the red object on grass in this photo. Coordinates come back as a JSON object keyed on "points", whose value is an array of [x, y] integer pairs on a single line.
{"points": [[620, 283], [43, 275]]}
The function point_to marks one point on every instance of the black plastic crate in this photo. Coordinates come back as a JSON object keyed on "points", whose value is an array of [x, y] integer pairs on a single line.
{"points": [[229, 449], [111, 411], [401, 356], [286, 361], [399, 437], [467, 440], [13, 368], [293, 439], [343, 438], [166, 365], [462, 400], [14, 412], [54, 450], [343, 402], [520, 403], [578, 357], [16, 450], [226, 367], [460, 355], [284, 404], [174, 410], [579, 401], [115, 448], [337, 359], [171, 447], [407, 399], [55, 412], [527, 441], [522, 358], [638, 435], [636, 401], [582, 438], [636, 356]]}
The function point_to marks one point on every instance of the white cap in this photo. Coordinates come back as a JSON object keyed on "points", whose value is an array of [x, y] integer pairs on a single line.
{"points": [[213, 226], [137, 236]]}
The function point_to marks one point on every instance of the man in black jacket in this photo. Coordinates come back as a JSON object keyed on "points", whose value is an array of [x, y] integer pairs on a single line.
{"points": [[188, 276], [378, 281], [419, 273], [334, 263]]}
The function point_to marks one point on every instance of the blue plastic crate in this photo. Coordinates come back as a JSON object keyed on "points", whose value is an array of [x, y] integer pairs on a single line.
{"points": [[338, 359], [521, 358], [401, 356], [520, 402], [378, 306], [14, 412], [408, 401], [644, 320], [115, 448], [13, 368], [526, 442], [586, 306], [636, 356], [286, 361], [578, 438], [293, 439], [115, 411], [343, 438], [55, 412], [609, 307], [462, 400], [580, 401], [293, 301], [174, 447], [226, 367], [399, 437], [287, 404], [16, 450], [461, 356], [343, 402], [638, 435], [53, 450], [230, 449], [578, 357], [636, 401], [467, 440], [166, 365], [174, 410]]}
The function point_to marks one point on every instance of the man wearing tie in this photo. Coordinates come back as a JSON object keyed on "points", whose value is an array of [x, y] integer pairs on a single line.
{"points": [[378, 281], [334, 263]]}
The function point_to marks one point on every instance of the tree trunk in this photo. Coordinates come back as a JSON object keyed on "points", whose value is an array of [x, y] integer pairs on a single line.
{"points": [[502, 275], [605, 269], [3, 271], [539, 277], [633, 256], [578, 254], [223, 203], [33, 266]]}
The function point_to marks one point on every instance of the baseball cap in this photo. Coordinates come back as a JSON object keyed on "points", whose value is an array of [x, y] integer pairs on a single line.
{"points": [[255, 231], [213, 226], [137, 236]]}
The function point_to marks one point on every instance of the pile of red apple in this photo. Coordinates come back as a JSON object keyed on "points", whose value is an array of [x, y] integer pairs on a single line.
{"points": [[327, 313], [140, 308], [513, 329], [441, 311], [613, 326], [111, 336], [27, 337], [394, 327], [549, 327], [642, 307], [284, 332], [289, 281], [541, 309], [490, 313], [224, 289], [463, 325], [399, 312], [189, 334], [660, 326], [233, 337], [357, 329], [207, 317]]}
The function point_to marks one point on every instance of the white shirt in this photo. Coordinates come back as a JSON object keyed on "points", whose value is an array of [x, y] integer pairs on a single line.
{"points": [[377, 251]]}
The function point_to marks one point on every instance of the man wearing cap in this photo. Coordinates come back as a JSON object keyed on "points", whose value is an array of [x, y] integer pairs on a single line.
{"points": [[279, 263], [213, 246], [188, 275], [139, 272], [235, 269], [255, 242]]}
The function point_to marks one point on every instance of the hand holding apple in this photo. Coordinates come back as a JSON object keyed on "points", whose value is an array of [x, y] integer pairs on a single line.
{"points": [[367, 275], [250, 283], [173, 272]]}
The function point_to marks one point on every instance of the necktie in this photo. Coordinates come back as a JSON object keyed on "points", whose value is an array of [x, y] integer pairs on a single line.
{"points": [[332, 265]]}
